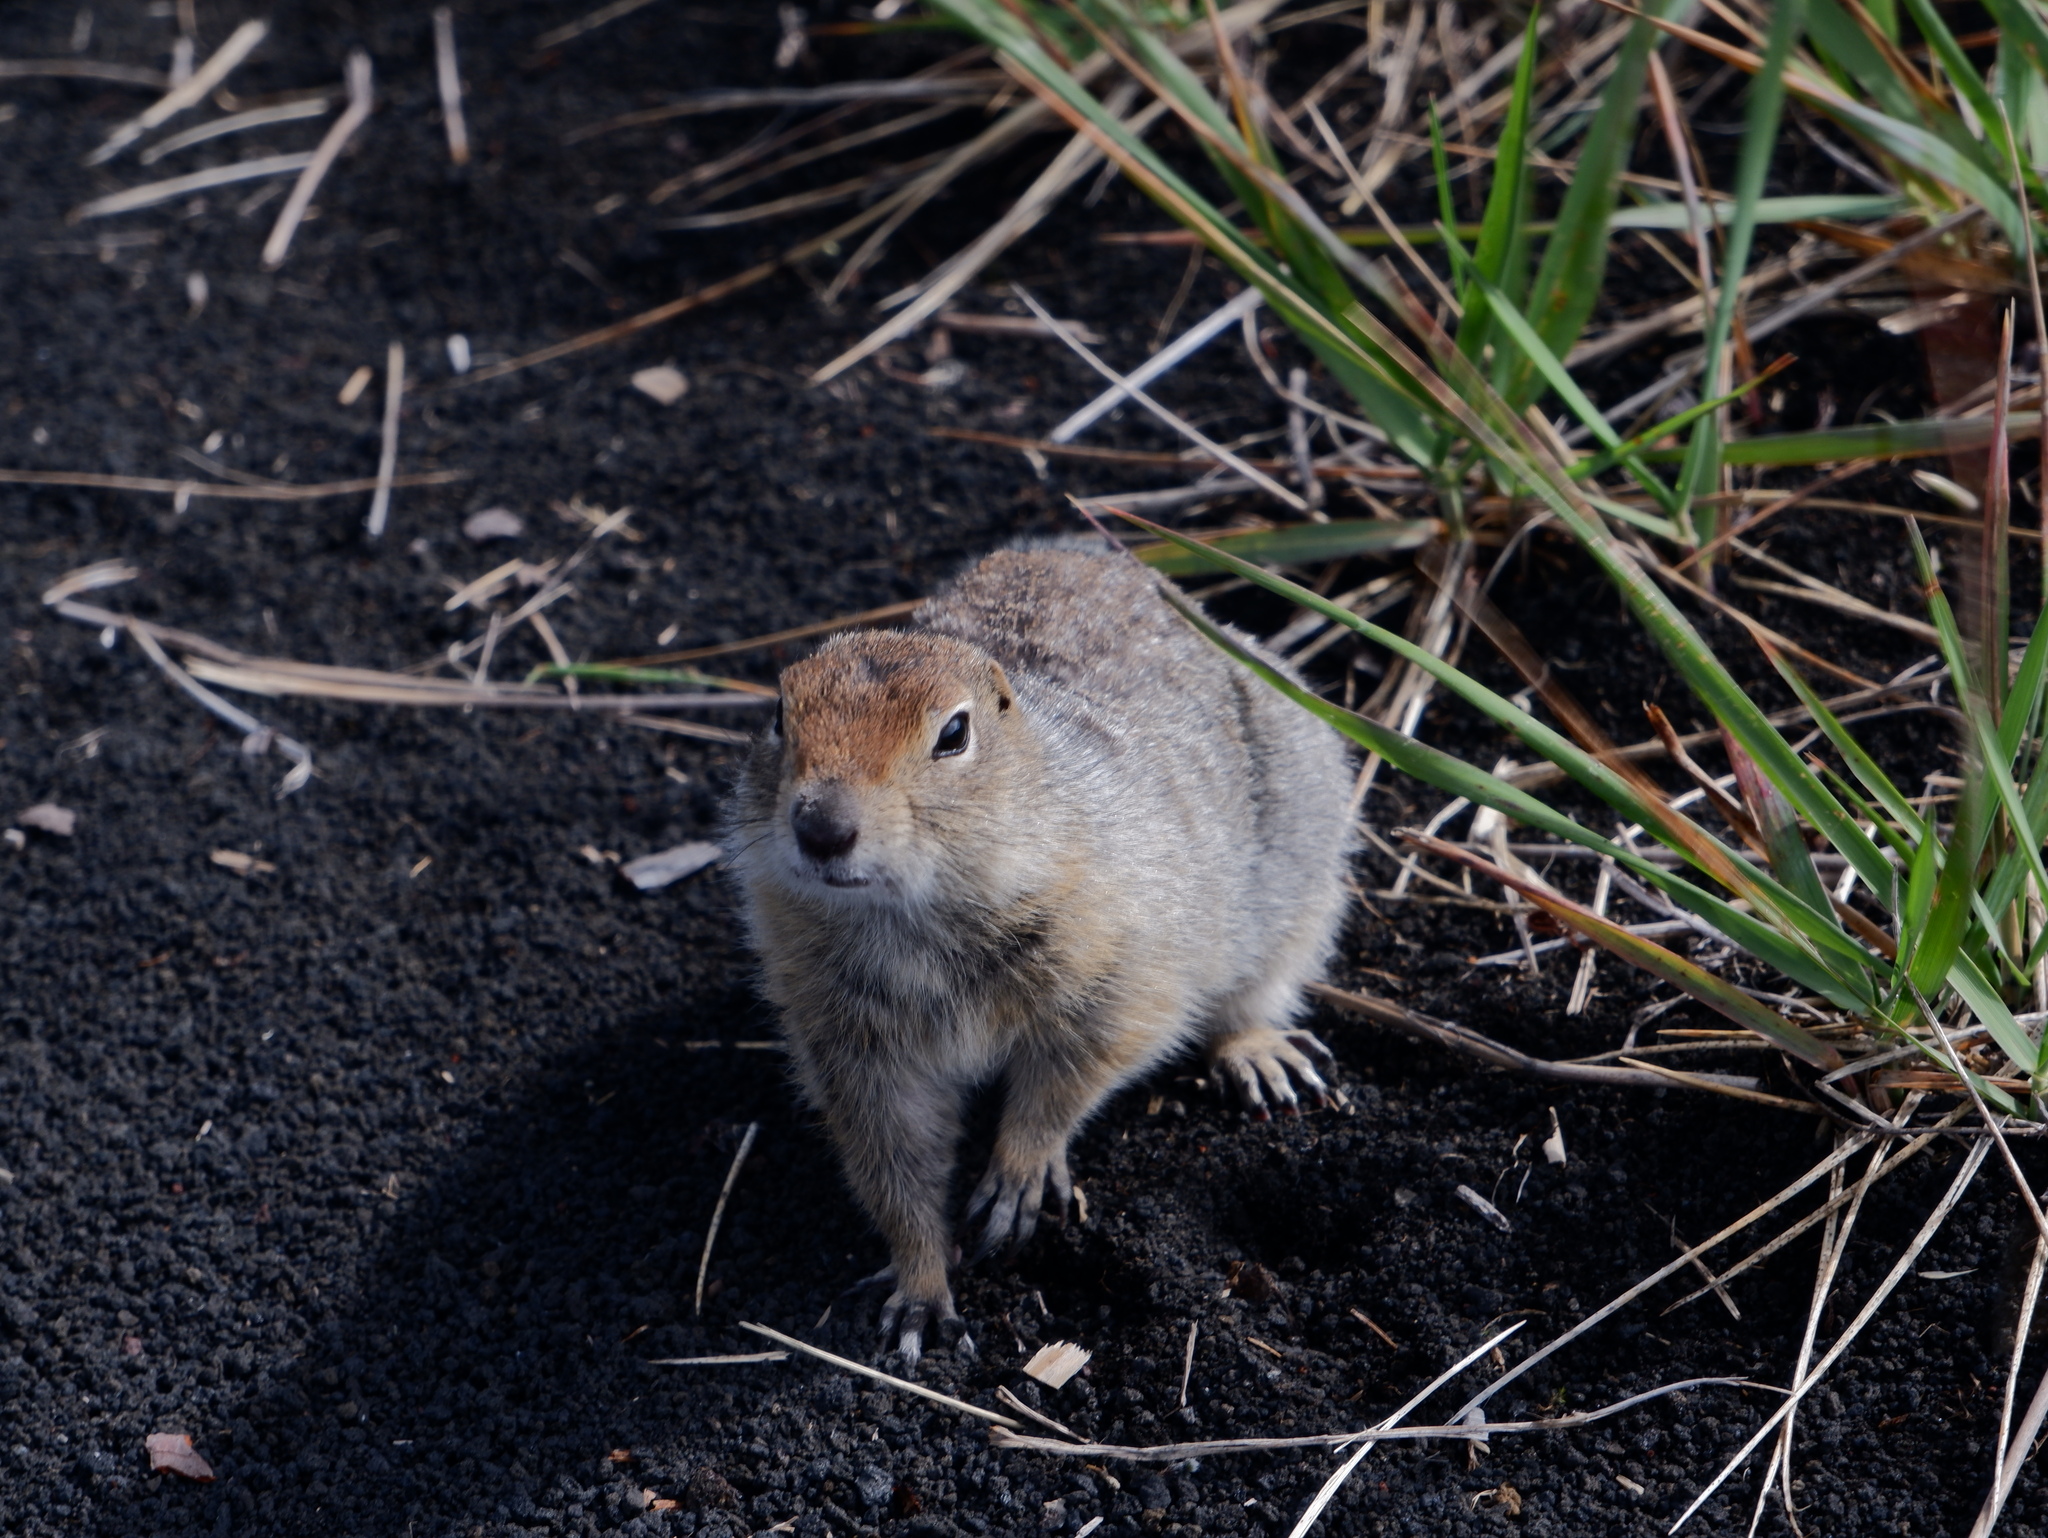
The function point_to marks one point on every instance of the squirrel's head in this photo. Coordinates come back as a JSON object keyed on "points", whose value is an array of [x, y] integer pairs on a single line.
{"points": [[890, 749]]}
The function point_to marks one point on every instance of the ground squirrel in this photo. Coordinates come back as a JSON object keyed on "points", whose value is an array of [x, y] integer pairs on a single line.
{"points": [[1047, 836]]}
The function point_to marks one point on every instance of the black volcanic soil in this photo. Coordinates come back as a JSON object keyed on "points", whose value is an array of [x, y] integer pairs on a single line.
{"points": [[382, 1171]]}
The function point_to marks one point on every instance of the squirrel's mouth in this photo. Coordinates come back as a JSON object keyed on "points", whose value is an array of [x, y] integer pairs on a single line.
{"points": [[842, 879]]}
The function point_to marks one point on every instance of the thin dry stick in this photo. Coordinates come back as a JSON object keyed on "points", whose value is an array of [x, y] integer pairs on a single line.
{"points": [[264, 491], [449, 79], [1615, 1305], [718, 1212], [1185, 428], [210, 74], [361, 97], [1336, 1480], [387, 456], [83, 69], [252, 729], [1074, 161], [1174, 1452], [149, 194], [255, 117], [1030, 1414], [1972, 1162], [733, 1359], [903, 1385], [1183, 347], [590, 23], [1187, 1361]]}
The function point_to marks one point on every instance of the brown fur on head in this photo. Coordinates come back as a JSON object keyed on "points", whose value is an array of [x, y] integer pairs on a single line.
{"points": [[879, 774]]}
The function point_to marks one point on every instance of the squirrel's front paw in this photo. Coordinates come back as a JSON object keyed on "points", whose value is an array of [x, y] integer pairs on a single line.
{"points": [[1264, 1067], [907, 1315], [1006, 1204]]}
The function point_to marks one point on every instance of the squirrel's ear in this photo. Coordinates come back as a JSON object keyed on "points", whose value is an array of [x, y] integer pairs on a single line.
{"points": [[1002, 684]]}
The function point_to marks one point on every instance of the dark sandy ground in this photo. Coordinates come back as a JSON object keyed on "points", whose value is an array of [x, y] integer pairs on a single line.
{"points": [[383, 1173]]}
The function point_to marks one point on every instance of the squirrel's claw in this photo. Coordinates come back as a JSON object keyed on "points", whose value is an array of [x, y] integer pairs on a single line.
{"points": [[1007, 1202], [908, 1318], [1268, 1069]]}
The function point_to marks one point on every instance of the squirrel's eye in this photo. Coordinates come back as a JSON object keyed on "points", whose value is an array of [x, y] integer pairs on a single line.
{"points": [[952, 737]]}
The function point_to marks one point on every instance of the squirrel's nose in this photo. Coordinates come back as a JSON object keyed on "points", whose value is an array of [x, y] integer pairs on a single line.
{"points": [[824, 823]]}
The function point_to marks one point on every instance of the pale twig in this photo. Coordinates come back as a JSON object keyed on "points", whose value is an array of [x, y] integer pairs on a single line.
{"points": [[1335, 1482], [1171, 356], [1187, 1361], [255, 117], [210, 74], [733, 1359], [449, 80], [902, 1385], [263, 491], [83, 69], [361, 97], [1971, 1163], [718, 1212], [1179, 424], [254, 732], [1074, 161], [1615, 1305], [1471, 1043], [597, 18], [1174, 1452], [387, 455], [1030, 1414], [171, 188]]}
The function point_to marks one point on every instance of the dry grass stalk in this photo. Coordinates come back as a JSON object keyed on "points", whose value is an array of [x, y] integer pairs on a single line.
{"points": [[361, 97], [901, 1385], [1175, 1452], [171, 188], [731, 1359], [448, 80], [1470, 1043], [718, 1212], [240, 44], [1030, 1414], [313, 106], [387, 454]]}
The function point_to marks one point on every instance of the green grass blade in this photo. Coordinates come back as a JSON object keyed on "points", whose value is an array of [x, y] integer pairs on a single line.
{"points": [[1836, 965], [1848, 208], [1510, 320], [1574, 265], [1702, 472], [1962, 74], [1975, 990], [1843, 981], [1498, 230], [1861, 764], [1876, 440]]}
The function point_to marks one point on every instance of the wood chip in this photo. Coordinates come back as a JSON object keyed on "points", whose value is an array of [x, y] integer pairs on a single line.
{"points": [[1053, 1365], [241, 864], [50, 818], [651, 872], [666, 384], [171, 1452], [1484, 1208], [493, 523]]}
